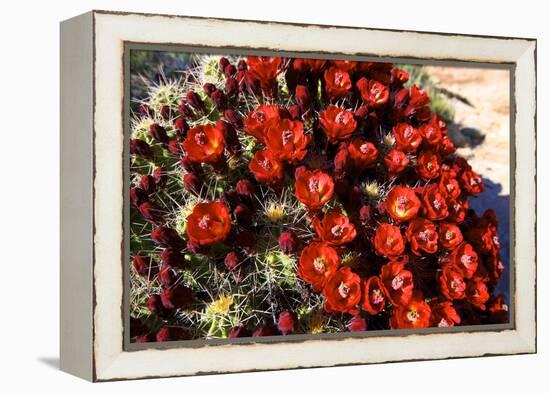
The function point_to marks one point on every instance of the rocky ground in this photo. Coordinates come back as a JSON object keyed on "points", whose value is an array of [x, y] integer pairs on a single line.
{"points": [[481, 99]]}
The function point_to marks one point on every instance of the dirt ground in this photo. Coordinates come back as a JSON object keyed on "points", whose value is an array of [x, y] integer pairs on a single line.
{"points": [[482, 129]]}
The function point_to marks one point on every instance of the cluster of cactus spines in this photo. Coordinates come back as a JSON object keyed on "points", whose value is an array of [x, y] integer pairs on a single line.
{"points": [[247, 280]]}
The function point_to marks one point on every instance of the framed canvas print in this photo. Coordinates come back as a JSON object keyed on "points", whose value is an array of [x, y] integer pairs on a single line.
{"points": [[243, 195]]}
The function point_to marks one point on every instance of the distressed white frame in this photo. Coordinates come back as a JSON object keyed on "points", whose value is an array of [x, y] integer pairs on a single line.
{"points": [[98, 354]]}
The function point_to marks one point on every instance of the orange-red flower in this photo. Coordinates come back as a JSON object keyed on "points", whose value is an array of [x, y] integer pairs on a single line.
{"points": [[397, 282], [477, 293], [335, 228], [407, 138], [287, 141], [337, 83], [265, 69], [317, 263], [388, 241], [363, 154], [337, 123], [415, 314], [448, 185], [451, 282], [432, 133], [374, 297], [395, 162], [465, 258], [402, 203], [315, 66], [204, 143], [209, 223], [313, 188], [434, 205], [443, 314], [422, 236], [257, 122], [428, 165], [373, 93], [450, 235], [342, 291], [471, 182], [266, 168]]}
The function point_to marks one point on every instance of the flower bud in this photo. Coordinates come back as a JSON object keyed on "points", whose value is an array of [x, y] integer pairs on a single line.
{"points": [[194, 101], [303, 98], [173, 333], [243, 214], [166, 112], [224, 62], [241, 65], [265, 330], [219, 99], [155, 306], [176, 297], [234, 118], [341, 162], [246, 240], [192, 183], [158, 133], [231, 87], [145, 266], [140, 148], [357, 324], [287, 322], [209, 88], [147, 184], [151, 212], [137, 196], [231, 197], [167, 276], [288, 242], [146, 110], [230, 136], [174, 147], [245, 190], [229, 70], [181, 127], [160, 176], [232, 261], [173, 258], [168, 238], [190, 166], [365, 214], [146, 338], [185, 111], [239, 331], [362, 112], [294, 112]]}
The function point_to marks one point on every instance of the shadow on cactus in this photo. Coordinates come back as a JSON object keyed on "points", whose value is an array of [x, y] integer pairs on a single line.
{"points": [[275, 196]]}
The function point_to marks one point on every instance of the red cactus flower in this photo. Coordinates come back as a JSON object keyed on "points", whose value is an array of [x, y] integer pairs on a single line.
{"points": [[422, 236], [315, 66], [450, 235], [337, 123], [395, 162], [363, 154], [397, 282], [265, 69], [388, 241], [448, 185], [287, 141], [402, 204], [407, 138], [471, 182], [357, 324], [374, 296], [313, 188], [451, 283], [477, 293], [432, 133], [335, 228], [465, 258], [413, 315], [434, 205], [209, 223], [266, 168], [428, 165], [337, 83], [443, 314], [204, 143], [373, 93], [317, 263], [342, 291], [258, 121]]}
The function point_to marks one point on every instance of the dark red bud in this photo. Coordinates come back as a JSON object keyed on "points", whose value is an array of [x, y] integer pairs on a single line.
{"points": [[185, 111], [145, 266], [231, 197], [167, 237], [167, 276], [160, 176], [230, 137], [195, 101], [287, 322], [245, 190], [362, 112], [209, 88], [242, 66], [243, 214], [294, 112], [303, 98], [231, 87], [137, 196], [147, 183], [146, 110], [181, 127], [357, 324], [229, 71], [155, 306], [365, 214], [176, 297], [219, 99], [341, 162], [173, 333], [192, 183], [246, 240], [232, 261], [166, 112], [239, 331], [146, 338], [190, 166], [224, 62], [173, 258], [151, 212], [288, 242], [140, 148], [234, 118], [158, 133], [265, 330]]}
